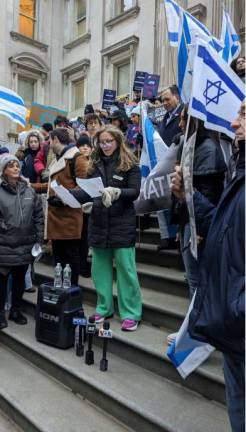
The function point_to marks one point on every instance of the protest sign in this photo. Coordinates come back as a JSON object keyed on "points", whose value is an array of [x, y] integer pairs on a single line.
{"points": [[139, 80], [41, 114], [108, 98], [155, 191], [156, 113], [151, 84]]}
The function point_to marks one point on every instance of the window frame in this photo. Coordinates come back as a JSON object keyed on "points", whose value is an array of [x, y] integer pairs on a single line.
{"points": [[127, 61], [74, 82], [81, 18], [33, 19]]}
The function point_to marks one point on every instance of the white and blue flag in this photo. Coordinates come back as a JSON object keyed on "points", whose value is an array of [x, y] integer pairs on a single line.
{"points": [[172, 14], [217, 91], [12, 106], [229, 39], [186, 353], [154, 147]]}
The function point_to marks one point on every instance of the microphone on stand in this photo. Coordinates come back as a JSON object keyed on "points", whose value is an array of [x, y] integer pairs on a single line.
{"points": [[106, 334], [80, 333], [91, 331]]}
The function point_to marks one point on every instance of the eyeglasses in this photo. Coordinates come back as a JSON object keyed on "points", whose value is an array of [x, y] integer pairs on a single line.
{"points": [[106, 142]]}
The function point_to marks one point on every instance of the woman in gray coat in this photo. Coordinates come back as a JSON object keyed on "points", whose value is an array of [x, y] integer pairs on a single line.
{"points": [[21, 226]]}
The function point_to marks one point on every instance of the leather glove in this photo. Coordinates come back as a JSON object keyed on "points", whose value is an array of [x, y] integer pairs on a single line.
{"points": [[113, 192], [106, 198], [87, 207], [54, 201]]}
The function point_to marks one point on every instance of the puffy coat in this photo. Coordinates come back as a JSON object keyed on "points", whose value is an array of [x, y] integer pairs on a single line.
{"points": [[218, 313], [27, 169], [113, 227], [21, 223], [65, 223]]}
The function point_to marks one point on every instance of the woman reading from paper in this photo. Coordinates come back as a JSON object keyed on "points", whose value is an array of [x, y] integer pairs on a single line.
{"points": [[112, 227]]}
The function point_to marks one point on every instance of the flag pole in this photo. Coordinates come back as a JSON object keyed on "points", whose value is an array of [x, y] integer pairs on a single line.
{"points": [[140, 130]]}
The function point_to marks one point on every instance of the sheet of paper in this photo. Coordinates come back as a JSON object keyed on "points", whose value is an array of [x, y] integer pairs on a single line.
{"points": [[64, 195], [94, 187]]}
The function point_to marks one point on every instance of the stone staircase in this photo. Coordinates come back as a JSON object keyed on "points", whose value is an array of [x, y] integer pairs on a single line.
{"points": [[141, 390]]}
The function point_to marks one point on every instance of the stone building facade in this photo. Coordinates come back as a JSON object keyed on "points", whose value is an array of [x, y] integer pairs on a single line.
{"points": [[64, 52]]}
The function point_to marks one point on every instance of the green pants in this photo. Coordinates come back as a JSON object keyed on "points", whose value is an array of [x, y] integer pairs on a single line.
{"points": [[129, 294]]}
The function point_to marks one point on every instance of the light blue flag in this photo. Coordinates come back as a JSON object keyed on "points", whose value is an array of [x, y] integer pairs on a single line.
{"points": [[229, 39], [12, 106], [154, 147], [186, 353], [217, 92]]}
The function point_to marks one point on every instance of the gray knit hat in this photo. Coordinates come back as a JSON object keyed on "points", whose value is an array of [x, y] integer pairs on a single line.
{"points": [[4, 160]]}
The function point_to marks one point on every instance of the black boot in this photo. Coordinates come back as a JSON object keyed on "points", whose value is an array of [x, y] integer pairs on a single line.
{"points": [[3, 321], [16, 316]]}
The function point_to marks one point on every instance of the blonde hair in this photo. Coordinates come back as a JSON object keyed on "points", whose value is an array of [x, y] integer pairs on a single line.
{"points": [[126, 158]]}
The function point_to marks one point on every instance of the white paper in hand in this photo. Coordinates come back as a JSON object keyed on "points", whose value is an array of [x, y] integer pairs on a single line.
{"points": [[65, 195], [93, 187]]}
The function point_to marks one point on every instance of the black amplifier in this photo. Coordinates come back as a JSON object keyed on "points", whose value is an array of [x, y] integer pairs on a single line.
{"points": [[55, 311]]}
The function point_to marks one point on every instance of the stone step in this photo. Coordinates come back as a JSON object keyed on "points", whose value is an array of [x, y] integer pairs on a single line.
{"points": [[159, 308], [150, 235], [41, 404], [147, 348], [148, 254], [7, 425], [159, 278], [145, 401]]}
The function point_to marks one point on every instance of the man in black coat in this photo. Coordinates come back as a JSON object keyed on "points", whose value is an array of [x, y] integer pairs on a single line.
{"points": [[218, 313], [168, 128]]}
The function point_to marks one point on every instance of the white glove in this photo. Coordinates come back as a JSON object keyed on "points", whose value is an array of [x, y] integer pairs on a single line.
{"points": [[87, 207], [106, 198], [114, 192]]}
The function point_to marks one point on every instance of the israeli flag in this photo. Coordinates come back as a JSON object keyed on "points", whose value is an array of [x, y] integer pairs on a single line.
{"points": [[186, 353], [154, 147], [217, 91], [12, 106], [229, 39], [172, 15]]}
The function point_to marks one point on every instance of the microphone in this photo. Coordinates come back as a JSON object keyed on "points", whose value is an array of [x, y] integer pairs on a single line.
{"points": [[90, 330], [106, 334], [80, 333]]}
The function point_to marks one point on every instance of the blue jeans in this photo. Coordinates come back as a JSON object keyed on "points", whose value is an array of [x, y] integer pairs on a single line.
{"points": [[235, 391], [191, 265]]}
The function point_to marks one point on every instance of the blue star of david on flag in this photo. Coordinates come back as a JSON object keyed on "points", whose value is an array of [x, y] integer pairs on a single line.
{"points": [[213, 92]]}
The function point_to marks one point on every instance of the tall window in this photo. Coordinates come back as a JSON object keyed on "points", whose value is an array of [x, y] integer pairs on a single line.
{"points": [[81, 16], [27, 17], [123, 79], [78, 94], [26, 90], [125, 5]]}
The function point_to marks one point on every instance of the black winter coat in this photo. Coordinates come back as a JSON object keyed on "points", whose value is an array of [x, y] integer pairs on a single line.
{"points": [[21, 223], [27, 169], [219, 309], [208, 175], [113, 227]]}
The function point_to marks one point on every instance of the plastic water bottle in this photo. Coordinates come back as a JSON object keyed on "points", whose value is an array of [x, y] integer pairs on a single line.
{"points": [[58, 276], [67, 277]]}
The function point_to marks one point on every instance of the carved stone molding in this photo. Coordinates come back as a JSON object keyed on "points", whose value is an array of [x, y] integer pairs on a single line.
{"points": [[130, 13], [20, 37], [81, 39], [82, 66], [199, 11], [123, 45], [29, 62]]}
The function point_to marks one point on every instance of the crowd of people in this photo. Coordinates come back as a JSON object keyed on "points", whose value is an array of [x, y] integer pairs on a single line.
{"points": [[108, 145]]}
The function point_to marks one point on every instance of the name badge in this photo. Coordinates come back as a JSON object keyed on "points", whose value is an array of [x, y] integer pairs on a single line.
{"points": [[117, 177]]}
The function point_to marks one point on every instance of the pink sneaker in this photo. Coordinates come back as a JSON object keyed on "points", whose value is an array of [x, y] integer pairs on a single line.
{"points": [[129, 325], [98, 318]]}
